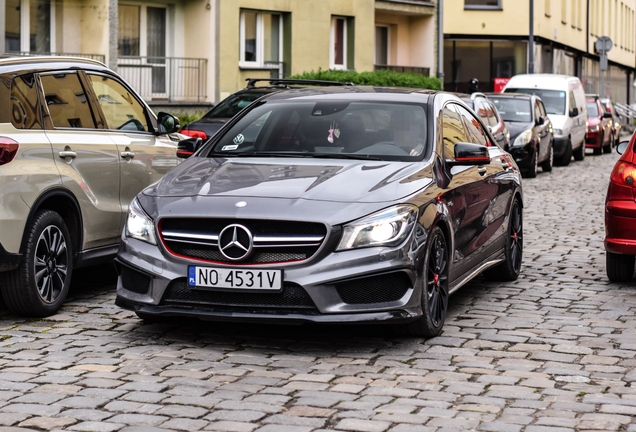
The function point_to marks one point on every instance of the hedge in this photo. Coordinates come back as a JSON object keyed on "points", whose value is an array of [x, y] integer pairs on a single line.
{"points": [[383, 78]]}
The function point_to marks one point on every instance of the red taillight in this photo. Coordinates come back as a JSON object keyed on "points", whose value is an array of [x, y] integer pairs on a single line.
{"points": [[622, 181], [8, 150], [194, 133]]}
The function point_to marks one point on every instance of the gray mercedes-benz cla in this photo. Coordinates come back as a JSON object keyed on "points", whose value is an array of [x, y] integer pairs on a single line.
{"points": [[348, 204]]}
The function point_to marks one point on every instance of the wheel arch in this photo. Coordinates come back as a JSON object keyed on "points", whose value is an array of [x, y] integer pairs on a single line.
{"points": [[65, 204]]}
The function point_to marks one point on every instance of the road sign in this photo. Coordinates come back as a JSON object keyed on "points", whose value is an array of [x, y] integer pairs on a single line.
{"points": [[603, 45]]}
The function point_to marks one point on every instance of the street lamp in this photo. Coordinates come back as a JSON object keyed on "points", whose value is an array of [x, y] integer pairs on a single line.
{"points": [[531, 40]]}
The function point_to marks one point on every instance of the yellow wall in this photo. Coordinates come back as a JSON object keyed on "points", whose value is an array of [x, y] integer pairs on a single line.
{"points": [[94, 26], [310, 28]]}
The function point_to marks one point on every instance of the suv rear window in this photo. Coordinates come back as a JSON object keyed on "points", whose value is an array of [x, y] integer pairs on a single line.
{"points": [[232, 104], [25, 111]]}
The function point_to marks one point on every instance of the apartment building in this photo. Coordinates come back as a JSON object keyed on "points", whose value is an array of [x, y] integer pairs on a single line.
{"points": [[488, 39], [199, 51]]}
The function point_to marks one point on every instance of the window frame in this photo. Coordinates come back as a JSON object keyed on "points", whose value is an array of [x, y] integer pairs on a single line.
{"points": [[499, 6], [25, 27], [332, 42], [260, 39], [451, 106]]}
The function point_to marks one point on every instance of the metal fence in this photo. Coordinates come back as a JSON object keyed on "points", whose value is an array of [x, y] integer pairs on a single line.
{"points": [[411, 69], [98, 57], [171, 79], [626, 115]]}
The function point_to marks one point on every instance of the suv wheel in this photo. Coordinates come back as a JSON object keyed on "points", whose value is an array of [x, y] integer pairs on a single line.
{"points": [[38, 287], [579, 153]]}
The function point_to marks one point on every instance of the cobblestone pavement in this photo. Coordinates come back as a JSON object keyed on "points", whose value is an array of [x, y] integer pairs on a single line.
{"points": [[553, 351]]}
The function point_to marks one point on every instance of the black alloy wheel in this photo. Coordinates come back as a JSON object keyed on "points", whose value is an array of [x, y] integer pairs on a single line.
{"points": [[513, 250], [434, 289], [39, 286], [547, 164]]}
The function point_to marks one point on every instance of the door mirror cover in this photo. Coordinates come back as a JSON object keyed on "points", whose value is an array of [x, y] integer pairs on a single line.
{"points": [[622, 146], [167, 123], [470, 154], [574, 112], [607, 114], [188, 147]]}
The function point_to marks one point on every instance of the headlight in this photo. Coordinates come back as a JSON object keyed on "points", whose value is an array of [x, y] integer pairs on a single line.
{"points": [[139, 225], [558, 132], [388, 227], [593, 128], [523, 138]]}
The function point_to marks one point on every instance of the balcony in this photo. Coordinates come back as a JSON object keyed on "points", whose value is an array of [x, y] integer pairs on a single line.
{"points": [[166, 79], [410, 69]]}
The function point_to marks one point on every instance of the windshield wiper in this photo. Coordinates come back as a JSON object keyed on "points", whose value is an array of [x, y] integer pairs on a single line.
{"points": [[345, 156]]}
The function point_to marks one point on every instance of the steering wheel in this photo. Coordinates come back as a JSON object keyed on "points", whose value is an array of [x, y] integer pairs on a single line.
{"points": [[132, 124]]}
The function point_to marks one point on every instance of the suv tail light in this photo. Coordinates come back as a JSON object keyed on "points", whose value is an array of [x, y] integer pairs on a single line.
{"points": [[194, 133], [8, 150], [622, 181]]}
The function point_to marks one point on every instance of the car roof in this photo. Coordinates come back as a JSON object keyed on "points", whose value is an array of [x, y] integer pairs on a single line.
{"points": [[541, 81], [513, 95], [39, 63], [353, 93]]}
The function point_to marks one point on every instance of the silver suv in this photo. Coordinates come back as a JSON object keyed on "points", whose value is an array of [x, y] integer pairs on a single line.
{"points": [[76, 145]]}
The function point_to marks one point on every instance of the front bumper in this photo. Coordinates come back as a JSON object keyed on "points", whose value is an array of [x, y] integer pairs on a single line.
{"points": [[593, 139], [9, 261], [560, 145], [152, 282], [523, 155]]}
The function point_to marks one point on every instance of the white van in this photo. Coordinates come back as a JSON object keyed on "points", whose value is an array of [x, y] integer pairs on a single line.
{"points": [[564, 100]]}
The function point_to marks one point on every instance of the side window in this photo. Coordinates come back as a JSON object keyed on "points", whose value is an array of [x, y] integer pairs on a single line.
{"points": [[121, 109], [475, 130], [25, 112], [452, 130], [494, 118], [66, 101], [490, 118], [542, 109], [537, 111], [572, 103]]}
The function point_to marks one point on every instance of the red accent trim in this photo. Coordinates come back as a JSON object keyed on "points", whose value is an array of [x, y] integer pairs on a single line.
{"points": [[193, 133], [184, 153], [473, 159]]}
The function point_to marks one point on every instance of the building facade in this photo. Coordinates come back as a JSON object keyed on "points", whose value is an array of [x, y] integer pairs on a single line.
{"points": [[565, 31]]}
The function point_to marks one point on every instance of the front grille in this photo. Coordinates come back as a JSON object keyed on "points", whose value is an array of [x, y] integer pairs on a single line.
{"points": [[375, 289], [134, 281], [292, 296], [273, 241]]}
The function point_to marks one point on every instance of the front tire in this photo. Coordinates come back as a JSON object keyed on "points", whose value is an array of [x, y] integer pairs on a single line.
{"points": [[608, 148], [620, 268], [546, 165], [513, 250], [579, 153], [39, 286], [434, 289], [534, 165], [566, 157]]}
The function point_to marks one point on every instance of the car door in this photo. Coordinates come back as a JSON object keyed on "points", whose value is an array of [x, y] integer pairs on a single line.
{"points": [[85, 156], [542, 130], [144, 156]]}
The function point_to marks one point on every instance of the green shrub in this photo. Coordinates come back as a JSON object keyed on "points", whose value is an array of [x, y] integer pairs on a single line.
{"points": [[383, 78], [185, 118]]}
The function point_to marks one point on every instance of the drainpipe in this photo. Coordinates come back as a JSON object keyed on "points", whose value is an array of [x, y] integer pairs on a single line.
{"points": [[440, 41], [113, 18], [531, 40], [3, 8]]}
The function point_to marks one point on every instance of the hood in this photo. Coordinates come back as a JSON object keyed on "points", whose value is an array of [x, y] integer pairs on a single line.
{"points": [[558, 121], [515, 128], [310, 179], [593, 121]]}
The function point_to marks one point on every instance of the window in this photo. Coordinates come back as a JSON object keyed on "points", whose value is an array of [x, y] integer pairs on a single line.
{"points": [[24, 103], [121, 110], [537, 112], [482, 4], [564, 11], [474, 128], [381, 45], [66, 100], [453, 130], [338, 55], [489, 117], [261, 39], [29, 26]]}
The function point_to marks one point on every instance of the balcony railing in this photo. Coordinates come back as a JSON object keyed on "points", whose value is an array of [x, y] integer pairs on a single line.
{"points": [[171, 79], [98, 57], [411, 69]]}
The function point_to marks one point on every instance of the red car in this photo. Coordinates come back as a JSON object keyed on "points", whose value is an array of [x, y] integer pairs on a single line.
{"points": [[599, 134], [620, 216]]}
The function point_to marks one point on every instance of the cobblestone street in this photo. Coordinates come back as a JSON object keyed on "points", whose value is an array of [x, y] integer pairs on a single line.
{"points": [[553, 351]]}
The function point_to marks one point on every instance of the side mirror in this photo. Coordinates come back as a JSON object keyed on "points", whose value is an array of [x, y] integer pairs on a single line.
{"points": [[607, 115], [467, 154], [187, 147], [574, 112], [167, 123], [622, 146]]}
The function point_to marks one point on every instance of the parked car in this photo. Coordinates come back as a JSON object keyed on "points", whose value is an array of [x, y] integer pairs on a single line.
{"points": [[599, 126], [616, 122], [489, 116], [620, 215], [212, 121], [530, 131], [342, 204], [76, 145], [564, 100]]}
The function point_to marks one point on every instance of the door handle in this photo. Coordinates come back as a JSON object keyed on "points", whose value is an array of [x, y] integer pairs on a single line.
{"points": [[481, 169], [67, 154], [127, 154]]}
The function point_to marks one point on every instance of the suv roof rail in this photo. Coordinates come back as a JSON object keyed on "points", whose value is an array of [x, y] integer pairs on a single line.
{"points": [[283, 81]]}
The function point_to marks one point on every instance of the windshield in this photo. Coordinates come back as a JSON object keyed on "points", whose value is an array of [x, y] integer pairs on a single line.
{"points": [[513, 109], [338, 129], [592, 109], [553, 100], [232, 104]]}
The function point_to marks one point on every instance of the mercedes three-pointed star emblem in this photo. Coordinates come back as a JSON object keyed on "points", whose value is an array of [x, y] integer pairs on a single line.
{"points": [[235, 242]]}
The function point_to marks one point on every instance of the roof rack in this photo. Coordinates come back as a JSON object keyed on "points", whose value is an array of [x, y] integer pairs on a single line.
{"points": [[283, 81]]}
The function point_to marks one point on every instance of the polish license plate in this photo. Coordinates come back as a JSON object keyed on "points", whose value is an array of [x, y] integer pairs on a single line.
{"points": [[239, 279]]}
